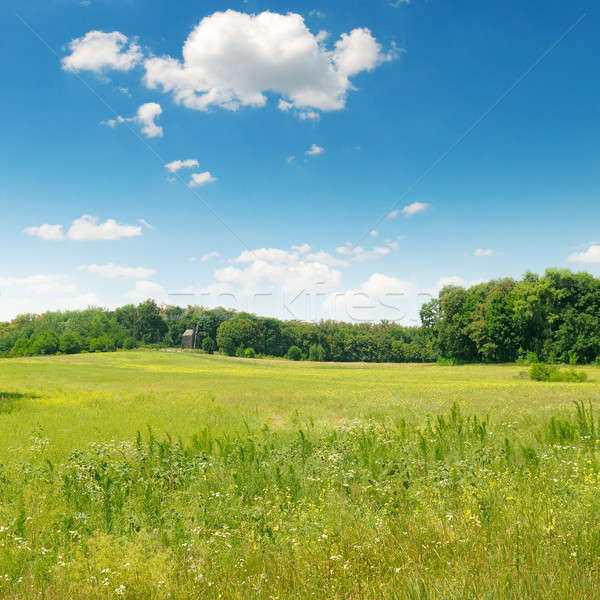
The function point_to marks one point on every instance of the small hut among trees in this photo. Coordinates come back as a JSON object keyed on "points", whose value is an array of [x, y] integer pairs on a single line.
{"points": [[187, 339]]}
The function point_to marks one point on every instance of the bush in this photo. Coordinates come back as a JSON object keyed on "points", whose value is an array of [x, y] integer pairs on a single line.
{"points": [[129, 343], [249, 353], [294, 353], [543, 372], [209, 345]]}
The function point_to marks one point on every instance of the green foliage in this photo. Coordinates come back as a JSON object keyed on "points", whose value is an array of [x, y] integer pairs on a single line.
{"points": [[249, 353], [317, 353], [209, 345], [69, 343], [553, 318], [294, 353], [544, 372]]}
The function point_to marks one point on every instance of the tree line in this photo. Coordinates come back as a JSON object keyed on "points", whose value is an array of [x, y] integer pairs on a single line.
{"points": [[551, 318]]}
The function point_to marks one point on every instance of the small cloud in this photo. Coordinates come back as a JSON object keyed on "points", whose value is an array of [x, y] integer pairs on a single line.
{"points": [[146, 224], [199, 179], [315, 150], [192, 259], [373, 233], [591, 255], [207, 257], [484, 252], [145, 118], [114, 271], [125, 91], [393, 214], [284, 105], [309, 115], [397, 3], [290, 159], [317, 14], [175, 165], [414, 208], [49, 233], [87, 228], [98, 50], [360, 254]]}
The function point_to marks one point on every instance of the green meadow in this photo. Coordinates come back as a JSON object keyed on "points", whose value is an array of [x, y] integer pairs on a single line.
{"points": [[150, 474]]}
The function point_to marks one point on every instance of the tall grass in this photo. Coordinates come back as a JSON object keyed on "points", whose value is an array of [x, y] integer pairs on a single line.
{"points": [[446, 507]]}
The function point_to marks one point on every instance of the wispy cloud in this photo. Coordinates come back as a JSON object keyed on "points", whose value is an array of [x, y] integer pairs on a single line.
{"points": [[315, 150], [175, 165]]}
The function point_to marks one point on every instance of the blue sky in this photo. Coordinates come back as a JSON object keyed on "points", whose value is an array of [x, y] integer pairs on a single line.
{"points": [[92, 215]]}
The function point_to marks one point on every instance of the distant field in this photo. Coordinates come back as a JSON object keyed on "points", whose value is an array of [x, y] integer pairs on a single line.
{"points": [[168, 474]]}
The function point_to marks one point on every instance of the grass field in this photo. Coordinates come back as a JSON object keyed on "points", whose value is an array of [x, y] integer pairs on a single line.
{"points": [[172, 475]]}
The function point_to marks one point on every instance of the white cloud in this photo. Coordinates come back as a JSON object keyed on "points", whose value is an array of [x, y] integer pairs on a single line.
{"points": [[301, 249], [113, 271], [290, 278], [145, 118], [284, 106], [309, 115], [317, 14], [39, 284], [97, 51], [209, 255], [591, 255], [46, 232], [290, 159], [373, 233], [175, 165], [393, 214], [275, 269], [145, 224], [87, 228], [397, 3], [381, 296], [484, 252], [144, 290], [315, 150], [327, 259], [232, 59], [414, 208], [199, 179], [359, 254]]}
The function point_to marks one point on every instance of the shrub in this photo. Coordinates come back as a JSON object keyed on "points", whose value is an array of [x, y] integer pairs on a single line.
{"points": [[543, 372], [128, 343], [209, 345], [569, 375], [294, 353], [249, 353]]}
